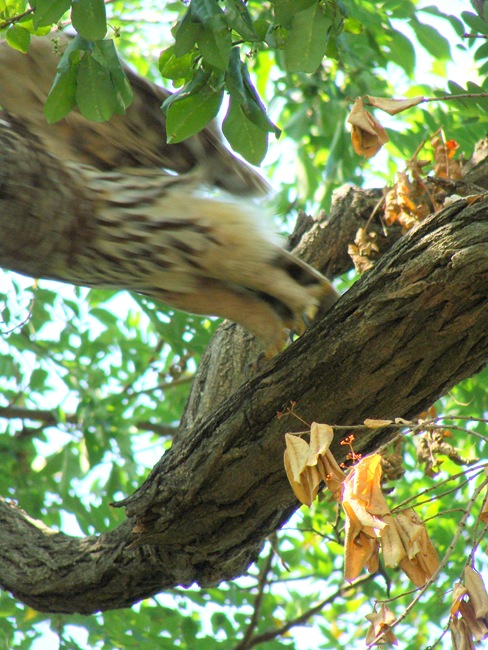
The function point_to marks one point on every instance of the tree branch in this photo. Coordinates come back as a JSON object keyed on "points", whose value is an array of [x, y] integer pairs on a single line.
{"points": [[246, 641], [409, 330], [307, 615]]}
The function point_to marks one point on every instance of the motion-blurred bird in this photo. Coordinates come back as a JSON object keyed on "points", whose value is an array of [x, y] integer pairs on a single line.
{"points": [[136, 227]]}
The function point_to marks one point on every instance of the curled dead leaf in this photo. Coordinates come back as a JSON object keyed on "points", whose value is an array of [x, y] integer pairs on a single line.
{"points": [[368, 136], [391, 543], [461, 637], [364, 250], [421, 561], [477, 592], [393, 106], [307, 464], [360, 551], [376, 424], [478, 627], [365, 508], [379, 631], [320, 439], [304, 479]]}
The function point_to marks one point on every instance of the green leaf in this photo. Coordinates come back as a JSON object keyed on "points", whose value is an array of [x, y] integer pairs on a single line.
{"points": [[38, 379], [353, 26], [481, 53], [18, 38], [276, 37], [456, 24], [238, 18], [402, 52], [476, 24], [285, 10], [95, 94], [241, 90], [307, 41], [431, 40], [215, 42], [48, 12], [62, 96], [89, 18], [233, 77], [175, 67], [204, 11], [186, 35], [243, 135], [190, 115], [191, 88], [262, 27], [105, 54]]}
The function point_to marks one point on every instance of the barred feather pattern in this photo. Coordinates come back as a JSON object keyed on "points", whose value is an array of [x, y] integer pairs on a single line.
{"points": [[136, 139], [144, 230], [159, 236]]}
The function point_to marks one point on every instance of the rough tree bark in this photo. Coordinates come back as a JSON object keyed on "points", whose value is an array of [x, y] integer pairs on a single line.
{"points": [[405, 333]]}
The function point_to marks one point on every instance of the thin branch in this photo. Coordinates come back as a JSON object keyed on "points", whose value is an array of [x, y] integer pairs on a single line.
{"points": [[402, 505], [15, 19], [445, 98], [246, 641], [442, 564], [49, 418], [303, 618]]}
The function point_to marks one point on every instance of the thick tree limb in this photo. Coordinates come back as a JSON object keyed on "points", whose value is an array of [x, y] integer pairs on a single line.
{"points": [[403, 336]]}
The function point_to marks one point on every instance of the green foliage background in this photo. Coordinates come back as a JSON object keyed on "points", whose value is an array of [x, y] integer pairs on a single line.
{"points": [[115, 370]]}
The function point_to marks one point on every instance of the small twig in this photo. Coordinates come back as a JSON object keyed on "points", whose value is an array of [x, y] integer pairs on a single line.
{"points": [[441, 566], [467, 35], [450, 97], [436, 643], [402, 505], [15, 19], [303, 618], [48, 418], [246, 641]]}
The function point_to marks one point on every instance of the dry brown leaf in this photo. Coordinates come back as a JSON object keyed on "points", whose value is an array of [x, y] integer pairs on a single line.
{"points": [[297, 451], [362, 489], [477, 592], [393, 106], [392, 209], [320, 439], [376, 424], [477, 626], [364, 250], [380, 625], [458, 594], [461, 637], [368, 136], [307, 464], [391, 543], [421, 561], [360, 551], [321, 435], [445, 166], [304, 479], [365, 508]]}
